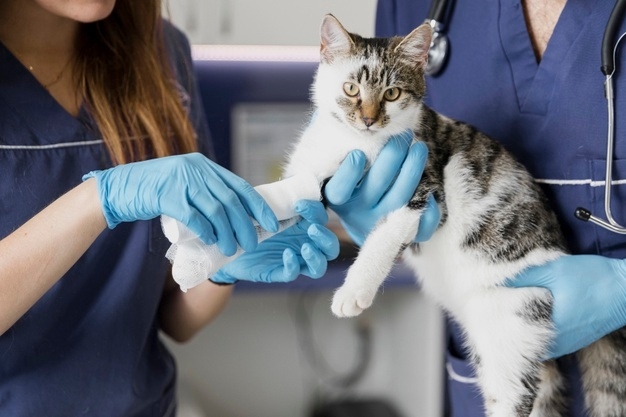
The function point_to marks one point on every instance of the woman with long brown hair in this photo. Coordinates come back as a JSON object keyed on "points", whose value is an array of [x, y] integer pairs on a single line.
{"points": [[104, 87]]}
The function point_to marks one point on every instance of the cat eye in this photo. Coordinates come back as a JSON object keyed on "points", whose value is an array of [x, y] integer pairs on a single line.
{"points": [[350, 89], [392, 94]]}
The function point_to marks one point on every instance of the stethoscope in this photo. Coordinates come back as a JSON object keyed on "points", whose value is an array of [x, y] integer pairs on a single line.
{"points": [[438, 52], [608, 50]]}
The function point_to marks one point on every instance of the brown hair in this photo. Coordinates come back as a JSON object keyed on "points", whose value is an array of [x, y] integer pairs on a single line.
{"points": [[127, 81]]}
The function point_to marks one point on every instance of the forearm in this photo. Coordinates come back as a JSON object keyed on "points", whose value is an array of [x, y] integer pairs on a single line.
{"points": [[183, 314], [39, 253]]}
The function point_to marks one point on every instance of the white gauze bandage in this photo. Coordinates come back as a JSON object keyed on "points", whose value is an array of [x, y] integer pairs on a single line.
{"points": [[193, 262]]}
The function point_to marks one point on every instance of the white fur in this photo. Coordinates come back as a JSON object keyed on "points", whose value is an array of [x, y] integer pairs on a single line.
{"points": [[325, 144], [465, 283]]}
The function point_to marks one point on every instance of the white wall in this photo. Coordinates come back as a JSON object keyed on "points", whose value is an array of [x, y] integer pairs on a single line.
{"points": [[267, 22], [250, 362]]}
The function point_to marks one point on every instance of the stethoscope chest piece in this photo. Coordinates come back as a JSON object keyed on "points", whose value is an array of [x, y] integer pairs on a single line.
{"points": [[437, 53], [439, 43]]}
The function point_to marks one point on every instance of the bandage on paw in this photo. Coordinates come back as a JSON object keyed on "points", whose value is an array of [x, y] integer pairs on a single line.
{"points": [[193, 262]]}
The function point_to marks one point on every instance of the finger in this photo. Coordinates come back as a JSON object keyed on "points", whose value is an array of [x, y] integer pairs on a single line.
{"points": [[316, 262], [534, 276], [384, 169], [325, 240], [311, 211], [341, 185], [408, 178], [213, 202], [215, 213], [429, 220], [197, 224], [256, 206], [239, 221], [213, 198], [291, 268]]}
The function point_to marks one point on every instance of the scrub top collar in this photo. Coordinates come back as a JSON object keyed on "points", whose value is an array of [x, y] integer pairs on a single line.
{"points": [[532, 78], [22, 96]]}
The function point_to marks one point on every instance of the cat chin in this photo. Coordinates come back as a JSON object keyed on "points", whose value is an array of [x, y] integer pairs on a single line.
{"points": [[374, 132], [369, 132], [335, 118]]}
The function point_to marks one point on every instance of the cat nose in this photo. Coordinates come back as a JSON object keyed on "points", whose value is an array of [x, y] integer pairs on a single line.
{"points": [[368, 121]]}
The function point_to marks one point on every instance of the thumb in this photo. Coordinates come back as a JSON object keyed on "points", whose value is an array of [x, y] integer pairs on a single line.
{"points": [[429, 221], [312, 211], [341, 185], [534, 276]]}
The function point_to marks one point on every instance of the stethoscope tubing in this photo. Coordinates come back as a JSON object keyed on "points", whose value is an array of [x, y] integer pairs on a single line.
{"points": [[607, 56], [437, 56]]}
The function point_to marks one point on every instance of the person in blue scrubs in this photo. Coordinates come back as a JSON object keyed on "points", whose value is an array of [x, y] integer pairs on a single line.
{"points": [[81, 305], [88, 137], [527, 73]]}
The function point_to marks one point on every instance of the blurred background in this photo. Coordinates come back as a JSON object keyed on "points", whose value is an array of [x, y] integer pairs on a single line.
{"points": [[266, 22], [277, 350]]}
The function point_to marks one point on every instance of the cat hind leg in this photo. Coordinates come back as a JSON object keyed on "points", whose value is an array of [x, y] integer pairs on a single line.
{"points": [[509, 332], [374, 261]]}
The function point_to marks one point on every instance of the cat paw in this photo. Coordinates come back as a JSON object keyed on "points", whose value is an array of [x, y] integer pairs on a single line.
{"points": [[350, 302]]}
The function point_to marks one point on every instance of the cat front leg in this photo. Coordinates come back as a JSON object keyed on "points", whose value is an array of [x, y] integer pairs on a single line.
{"points": [[374, 261]]}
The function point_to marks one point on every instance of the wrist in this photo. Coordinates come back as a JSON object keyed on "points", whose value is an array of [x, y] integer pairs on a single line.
{"points": [[98, 178], [619, 266], [223, 284], [356, 235], [93, 204], [222, 279]]}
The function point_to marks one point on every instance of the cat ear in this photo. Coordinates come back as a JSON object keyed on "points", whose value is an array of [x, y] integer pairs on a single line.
{"points": [[335, 39], [415, 45]]}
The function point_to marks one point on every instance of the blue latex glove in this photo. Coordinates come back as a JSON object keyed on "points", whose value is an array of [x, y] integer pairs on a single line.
{"points": [[303, 249], [360, 201], [589, 294], [211, 201]]}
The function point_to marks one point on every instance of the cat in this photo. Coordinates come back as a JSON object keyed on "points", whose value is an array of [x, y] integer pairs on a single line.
{"points": [[495, 222]]}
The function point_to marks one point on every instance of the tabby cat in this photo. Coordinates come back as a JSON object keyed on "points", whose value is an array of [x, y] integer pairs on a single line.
{"points": [[495, 222]]}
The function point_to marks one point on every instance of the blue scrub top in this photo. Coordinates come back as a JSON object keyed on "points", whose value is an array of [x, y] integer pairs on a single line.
{"points": [[551, 115], [90, 345]]}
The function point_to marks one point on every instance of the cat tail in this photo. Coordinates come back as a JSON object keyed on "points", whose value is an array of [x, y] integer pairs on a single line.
{"points": [[604, 375]]}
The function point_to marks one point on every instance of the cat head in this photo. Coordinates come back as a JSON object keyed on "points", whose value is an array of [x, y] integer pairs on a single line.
{"points": [[373, 85]]}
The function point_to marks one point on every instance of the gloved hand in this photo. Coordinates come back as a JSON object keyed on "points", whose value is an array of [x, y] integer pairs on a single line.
{"points": [[211, 201], [589, 293], [387, 186], [304, 248]]}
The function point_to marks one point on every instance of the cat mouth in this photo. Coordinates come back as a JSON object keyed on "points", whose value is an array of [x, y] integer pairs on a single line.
{"points": [[369, 130]]}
